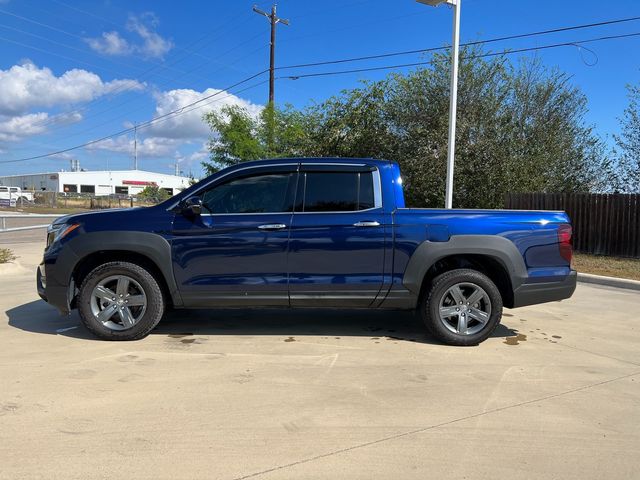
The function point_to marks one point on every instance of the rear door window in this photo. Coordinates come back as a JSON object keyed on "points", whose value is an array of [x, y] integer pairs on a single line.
{"points": [[335, 192]]}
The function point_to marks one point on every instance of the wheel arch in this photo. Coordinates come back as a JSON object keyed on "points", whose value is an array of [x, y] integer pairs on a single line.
{"points": [[148, 250], [494, 256]]}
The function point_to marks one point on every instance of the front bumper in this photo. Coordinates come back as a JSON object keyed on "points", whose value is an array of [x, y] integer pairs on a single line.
{"points": [[535, 293], [41, 282], [52, 293]]}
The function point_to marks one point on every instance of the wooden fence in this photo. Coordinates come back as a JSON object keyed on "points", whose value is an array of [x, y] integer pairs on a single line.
{"points": [[602, 224]]}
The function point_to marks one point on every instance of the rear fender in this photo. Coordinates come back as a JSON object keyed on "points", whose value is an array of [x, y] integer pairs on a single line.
{"points": [[496, 247]]}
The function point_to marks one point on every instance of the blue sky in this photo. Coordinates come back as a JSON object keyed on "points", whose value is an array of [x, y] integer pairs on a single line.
{"points": [[74, 71]]}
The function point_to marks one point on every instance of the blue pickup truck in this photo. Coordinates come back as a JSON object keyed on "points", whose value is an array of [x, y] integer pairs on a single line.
{"points": [[302, 233]]}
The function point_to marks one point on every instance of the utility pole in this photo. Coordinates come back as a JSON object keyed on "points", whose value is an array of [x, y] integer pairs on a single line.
{"points": [[274, 20], [135, 146]]}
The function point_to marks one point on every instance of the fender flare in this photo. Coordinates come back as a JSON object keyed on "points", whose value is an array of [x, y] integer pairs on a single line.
{"points": [[153, 246], [498, 248]]}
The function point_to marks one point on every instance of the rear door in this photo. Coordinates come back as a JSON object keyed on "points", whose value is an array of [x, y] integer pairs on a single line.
{"points": [[338, 237]]}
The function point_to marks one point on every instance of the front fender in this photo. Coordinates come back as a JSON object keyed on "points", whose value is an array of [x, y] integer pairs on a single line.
{"points": [[155, 247]]}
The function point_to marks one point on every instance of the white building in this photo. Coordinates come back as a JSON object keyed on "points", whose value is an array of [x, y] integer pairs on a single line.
{"points": [[123, 182]]}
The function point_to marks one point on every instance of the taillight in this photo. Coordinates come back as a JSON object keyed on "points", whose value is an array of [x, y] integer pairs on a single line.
{"points": [[565, 241]]}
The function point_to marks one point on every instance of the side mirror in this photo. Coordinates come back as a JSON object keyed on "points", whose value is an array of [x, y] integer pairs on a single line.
{"points": [[193, 206]]}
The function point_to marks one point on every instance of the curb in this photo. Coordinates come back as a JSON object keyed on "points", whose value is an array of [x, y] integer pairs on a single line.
{"points": [[609, 281]]}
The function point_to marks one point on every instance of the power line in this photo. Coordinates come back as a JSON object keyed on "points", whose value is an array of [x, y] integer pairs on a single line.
{"points": [[184, 49], [468, 44], [505, 52], [83, 39], [53, 119], [141, 125], [231, 94], [318, 74]]}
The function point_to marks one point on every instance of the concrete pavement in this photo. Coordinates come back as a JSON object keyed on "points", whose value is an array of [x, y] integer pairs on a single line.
{"points": [[310, 394]]}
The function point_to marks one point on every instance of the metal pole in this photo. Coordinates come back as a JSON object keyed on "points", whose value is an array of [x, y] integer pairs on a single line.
{"points": [[135, 146], [453, 106], [272, 54]]}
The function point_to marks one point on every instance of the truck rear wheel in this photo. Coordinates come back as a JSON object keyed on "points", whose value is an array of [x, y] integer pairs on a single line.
{"points": [[463, 307], [120, 301]]}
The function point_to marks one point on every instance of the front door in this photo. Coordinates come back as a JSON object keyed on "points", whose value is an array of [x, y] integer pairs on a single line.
{"points": [[338, 237], [235, 252]]}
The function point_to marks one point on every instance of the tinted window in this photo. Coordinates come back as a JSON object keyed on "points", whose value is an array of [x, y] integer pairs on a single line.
{"points": [[256, 194], [337, 192], [366, 198], [87, 189]]}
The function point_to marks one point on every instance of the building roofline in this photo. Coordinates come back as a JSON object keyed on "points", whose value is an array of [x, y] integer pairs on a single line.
{"points": [[93, 171]]}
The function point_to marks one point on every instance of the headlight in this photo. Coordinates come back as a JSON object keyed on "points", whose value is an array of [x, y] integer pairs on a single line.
{"points": [[59, 231]]}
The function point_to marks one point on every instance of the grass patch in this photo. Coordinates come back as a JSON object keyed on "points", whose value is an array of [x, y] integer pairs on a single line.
{"points": [[6, 255], [608, 266]]}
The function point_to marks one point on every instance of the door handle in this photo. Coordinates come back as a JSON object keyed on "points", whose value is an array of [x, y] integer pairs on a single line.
{"points": [[272, 226], [367, 224]]}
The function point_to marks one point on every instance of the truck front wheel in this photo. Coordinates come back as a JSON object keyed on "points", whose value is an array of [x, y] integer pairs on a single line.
{"points": [[120, 301], [463, 307]]}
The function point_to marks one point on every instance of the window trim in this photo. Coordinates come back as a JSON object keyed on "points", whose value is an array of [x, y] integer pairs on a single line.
{"points": [[295, 172], [294, 165], [377, 195], [297, 167]]}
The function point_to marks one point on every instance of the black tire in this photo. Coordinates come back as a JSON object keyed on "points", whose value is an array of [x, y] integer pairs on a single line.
{"points": [[154, 301], [431, 303]]}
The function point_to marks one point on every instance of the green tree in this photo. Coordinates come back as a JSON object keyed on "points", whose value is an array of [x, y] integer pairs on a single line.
{"points": [[238, 136], [629, 143], [153, 193], [521, 128]]}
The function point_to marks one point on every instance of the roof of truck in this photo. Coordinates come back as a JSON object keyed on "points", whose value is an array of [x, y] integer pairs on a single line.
{"points": [[324, 160]]}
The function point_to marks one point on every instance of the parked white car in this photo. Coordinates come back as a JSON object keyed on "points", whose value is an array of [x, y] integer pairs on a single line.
{"points": [[10, 196]]}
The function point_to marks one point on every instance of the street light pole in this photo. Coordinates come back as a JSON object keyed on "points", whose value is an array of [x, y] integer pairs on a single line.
{"points": [[453, 103]]}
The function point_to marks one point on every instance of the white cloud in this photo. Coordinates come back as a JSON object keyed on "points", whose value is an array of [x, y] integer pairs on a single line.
{"points": [[153, 45], [111, 43], [148, 147], [173, 134], [26, 86], [149, 44], [198, 156], [190, 125], [15, 128], [19, 127]]}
